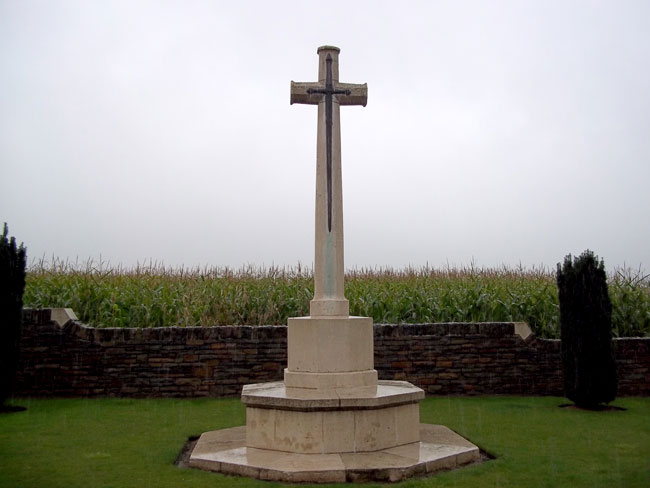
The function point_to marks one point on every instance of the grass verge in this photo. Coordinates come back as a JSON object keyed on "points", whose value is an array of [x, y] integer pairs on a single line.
{"points": [[134, 443]]}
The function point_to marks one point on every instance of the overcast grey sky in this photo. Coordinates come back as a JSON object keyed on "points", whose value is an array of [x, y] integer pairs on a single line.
{"points": [[495, 132]]}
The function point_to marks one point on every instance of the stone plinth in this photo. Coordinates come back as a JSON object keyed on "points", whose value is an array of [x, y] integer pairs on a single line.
{"points": [[440, 448], [330, 352]]}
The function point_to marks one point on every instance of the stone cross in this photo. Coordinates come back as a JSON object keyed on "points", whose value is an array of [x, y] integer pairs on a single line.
{"points": [[331, 416], [329, 94]]}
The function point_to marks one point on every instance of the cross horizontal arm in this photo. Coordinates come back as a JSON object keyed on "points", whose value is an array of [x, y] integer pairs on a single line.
{"points": [[358, 94], [312, 93], [301, 93]]}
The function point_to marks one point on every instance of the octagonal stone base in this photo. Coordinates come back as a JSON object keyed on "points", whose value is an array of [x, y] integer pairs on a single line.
{"points": [[320, 421], [332, 435], [439, 448], [310, 421]]}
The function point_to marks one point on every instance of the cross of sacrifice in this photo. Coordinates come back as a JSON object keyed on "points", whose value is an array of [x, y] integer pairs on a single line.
{"points": [[329, 94]]}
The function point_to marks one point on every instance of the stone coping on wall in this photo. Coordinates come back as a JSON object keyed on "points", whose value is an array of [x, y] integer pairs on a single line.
{"points": [[67, 319], [489, 329]]}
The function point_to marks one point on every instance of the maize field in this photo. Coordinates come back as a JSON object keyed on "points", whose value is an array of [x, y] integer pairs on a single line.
{"points": [[157, 296]]}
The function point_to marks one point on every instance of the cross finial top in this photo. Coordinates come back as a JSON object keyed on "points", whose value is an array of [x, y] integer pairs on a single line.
{"points": [[328, 48]]}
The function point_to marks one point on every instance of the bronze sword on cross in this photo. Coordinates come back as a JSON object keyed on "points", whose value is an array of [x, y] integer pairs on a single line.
{"points": [[315, 93], [328, 91]]}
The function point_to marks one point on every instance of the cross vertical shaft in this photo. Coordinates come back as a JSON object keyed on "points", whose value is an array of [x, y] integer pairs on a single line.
{"points": [[329, 94], [329, 297]]}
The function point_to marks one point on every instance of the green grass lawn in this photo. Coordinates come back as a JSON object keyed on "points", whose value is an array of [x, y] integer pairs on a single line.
{"points": [[133, 443]]}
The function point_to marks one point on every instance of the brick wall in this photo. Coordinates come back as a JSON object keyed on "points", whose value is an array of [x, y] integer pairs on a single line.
{"points": [[456, 358]]}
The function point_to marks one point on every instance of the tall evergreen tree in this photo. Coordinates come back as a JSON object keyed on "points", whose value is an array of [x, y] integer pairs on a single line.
{"points": [[589, 368], [12, 286]]}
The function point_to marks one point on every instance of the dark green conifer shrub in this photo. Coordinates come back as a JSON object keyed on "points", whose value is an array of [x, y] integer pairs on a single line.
{"points": [[12, 285], [586, 331]]}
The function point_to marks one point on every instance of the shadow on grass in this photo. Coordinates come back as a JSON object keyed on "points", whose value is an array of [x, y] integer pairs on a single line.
{"points": [[11, 409], [598, 408], [183, 459]]}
